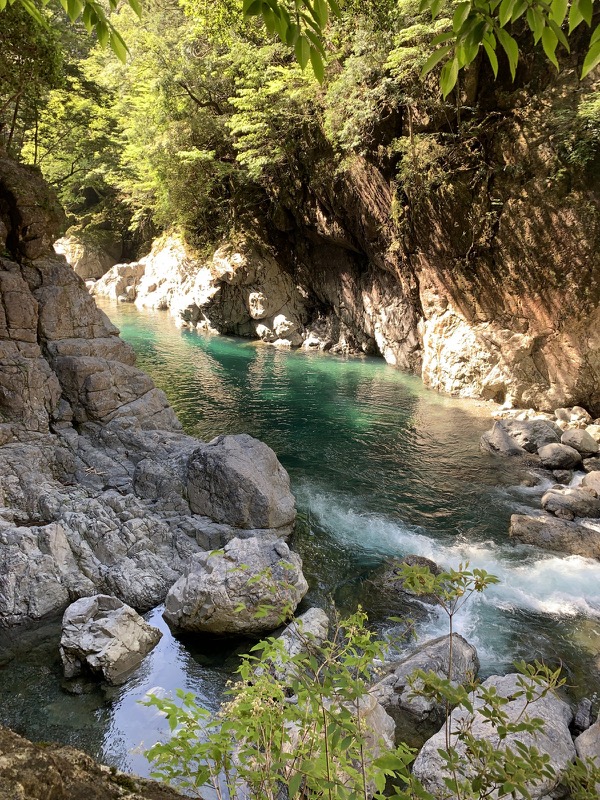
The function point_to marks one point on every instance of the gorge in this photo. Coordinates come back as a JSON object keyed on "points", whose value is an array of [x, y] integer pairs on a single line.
{"points": [[366, 222]]}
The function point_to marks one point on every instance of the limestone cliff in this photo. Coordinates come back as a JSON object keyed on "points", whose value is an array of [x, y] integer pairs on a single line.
{"points": [[478, 269]]}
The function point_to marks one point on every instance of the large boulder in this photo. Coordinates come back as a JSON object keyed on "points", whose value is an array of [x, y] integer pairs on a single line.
{"points": [[587, 743], [551, 533], [248, 588], [91, 252], [559, 456], [103, 636], [238, 480], [581, 441], [570, 503], [499, 441], [533, 434], [554, 741], [416, 715]]}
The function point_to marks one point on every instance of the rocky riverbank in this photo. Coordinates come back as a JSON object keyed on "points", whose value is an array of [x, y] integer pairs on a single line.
{"points": [[564, 450]]}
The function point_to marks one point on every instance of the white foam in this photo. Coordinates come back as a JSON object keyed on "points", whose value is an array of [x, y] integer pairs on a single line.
{"points": [[543, 584]]}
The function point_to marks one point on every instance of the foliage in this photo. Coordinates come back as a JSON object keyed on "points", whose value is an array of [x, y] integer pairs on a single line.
{"points": [[475, 25], [90, 12], [292, 720], [31, 64], [294, 726]]}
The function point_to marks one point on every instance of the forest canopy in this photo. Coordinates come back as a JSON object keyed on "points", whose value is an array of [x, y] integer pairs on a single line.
{"points": [[214, 111]]}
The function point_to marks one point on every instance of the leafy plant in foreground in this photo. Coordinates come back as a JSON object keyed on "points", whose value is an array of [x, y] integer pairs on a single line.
{"points": [[295, 726]]}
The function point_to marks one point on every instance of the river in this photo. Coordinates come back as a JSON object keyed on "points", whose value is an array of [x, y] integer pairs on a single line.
{"points": [[380, 466]]}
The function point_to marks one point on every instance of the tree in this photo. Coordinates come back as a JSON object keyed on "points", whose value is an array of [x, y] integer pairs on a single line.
{"points": [[90, 12], [473, 25]]}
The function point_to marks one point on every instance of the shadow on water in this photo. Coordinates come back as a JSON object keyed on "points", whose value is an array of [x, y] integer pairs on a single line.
{"points": [[380, 467]]}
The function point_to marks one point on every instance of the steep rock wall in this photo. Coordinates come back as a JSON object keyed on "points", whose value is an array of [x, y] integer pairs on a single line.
{"points": [[94, 468], [479, 269]]}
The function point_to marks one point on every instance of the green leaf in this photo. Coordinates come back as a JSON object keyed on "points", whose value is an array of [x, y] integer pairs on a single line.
{"points": [[549, 42], [33, 12], [335, 9], [435, 6], [294, 784], [506, 9], [448, 77], [136, 6], [558, 11], [316, 61], [595, 36], [435, 59], [586, 7], [511, 49], [536, 22], [292, 34], [575, 15], [74, 9], [302, 49], [460, 15], [252, 8], [560, 35], [492, 57], [520, 8], [2, 5], [322, 12], [118, 46], [592, 59]]}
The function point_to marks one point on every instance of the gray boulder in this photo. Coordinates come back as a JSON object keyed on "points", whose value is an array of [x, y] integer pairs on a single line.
{"points": [[581, 441], [559, 456], [554, 740], [533, 434], [591, 482], [249, 587], [587, 743], [103, 636], [551, 533], [415, 714], [570, 503], [591, 464], [499, 441], [237, 480]]}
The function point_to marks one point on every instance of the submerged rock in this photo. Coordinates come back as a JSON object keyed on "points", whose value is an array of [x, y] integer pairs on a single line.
{"points": [[103, 636], [554, 741], [248, 588]]}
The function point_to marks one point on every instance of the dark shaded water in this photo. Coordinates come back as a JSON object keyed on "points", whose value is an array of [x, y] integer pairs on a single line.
{"points": [[380, 466]]}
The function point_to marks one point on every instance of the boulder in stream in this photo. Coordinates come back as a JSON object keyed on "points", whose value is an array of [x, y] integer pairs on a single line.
{"points": [[417, 716], [103, 636], [551, 533], [554, 740], [559, 456], [249, 587], [569, 503], [238, 480]]}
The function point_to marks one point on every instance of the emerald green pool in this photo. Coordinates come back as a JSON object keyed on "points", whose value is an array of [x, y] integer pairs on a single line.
{"points": [[380, 466]]}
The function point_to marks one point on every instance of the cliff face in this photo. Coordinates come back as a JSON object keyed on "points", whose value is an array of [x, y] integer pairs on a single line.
{"points": [[94, 471], [475, 264], [484, 272]]}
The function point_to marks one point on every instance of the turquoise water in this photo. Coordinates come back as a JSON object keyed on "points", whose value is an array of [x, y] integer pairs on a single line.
{"points": [[380, 466]]}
